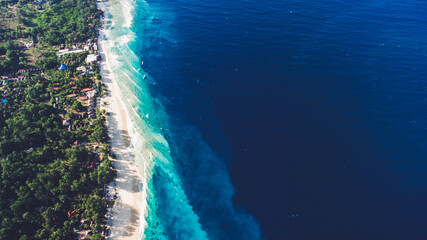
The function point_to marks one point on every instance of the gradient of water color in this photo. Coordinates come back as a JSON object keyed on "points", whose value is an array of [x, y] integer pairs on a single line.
{"points": [[313, 110]]}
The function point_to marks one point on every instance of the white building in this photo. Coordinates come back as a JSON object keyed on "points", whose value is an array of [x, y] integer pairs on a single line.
{"points": [[91, 58]]}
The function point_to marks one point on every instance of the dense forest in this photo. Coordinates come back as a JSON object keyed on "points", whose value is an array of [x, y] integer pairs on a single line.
{"points": [[12, 59], [54, 151], [68, 21]]}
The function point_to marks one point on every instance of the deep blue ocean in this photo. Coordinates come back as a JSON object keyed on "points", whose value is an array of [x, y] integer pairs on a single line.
{"points": [[297, 119]]}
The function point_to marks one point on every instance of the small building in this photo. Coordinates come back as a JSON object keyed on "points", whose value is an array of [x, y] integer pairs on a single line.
{"points": [[84, 234], [30, 150], [81, 69], [91, 58], [63, 50], [63, 67], [71, 214], [84, 98], [3, 80], [66, 123], [87, 89], [71, 95], [90, 94]]}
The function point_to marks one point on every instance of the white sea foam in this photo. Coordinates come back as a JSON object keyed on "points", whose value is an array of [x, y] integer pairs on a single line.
{"points": [[128, 8], [148, 146], [116, 50]]}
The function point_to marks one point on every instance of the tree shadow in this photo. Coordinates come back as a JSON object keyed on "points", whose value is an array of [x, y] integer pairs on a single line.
{"points": [[124, 225], [120, 142]]}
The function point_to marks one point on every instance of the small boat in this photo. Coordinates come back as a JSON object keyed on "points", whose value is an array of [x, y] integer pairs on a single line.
{"points": [[142, 63], [139, 69], [144, 77]]}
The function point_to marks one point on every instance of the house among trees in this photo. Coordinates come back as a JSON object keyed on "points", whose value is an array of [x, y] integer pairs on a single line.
{"points": [[30, 150], [81, 69], [66, 123], [84, 234], [14, 79], [62, 67], [91, 58]]}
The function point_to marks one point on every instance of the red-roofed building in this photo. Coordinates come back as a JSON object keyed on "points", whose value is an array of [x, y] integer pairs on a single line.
{"points": [[71, 95], [87, 89], [83, 98], [91, 167], [71, 213]]}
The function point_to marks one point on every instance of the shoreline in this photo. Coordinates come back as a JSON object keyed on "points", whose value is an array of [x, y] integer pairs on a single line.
{"points": [[124, 218]]}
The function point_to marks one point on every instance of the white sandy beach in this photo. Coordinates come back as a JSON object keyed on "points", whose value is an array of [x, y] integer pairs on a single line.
{"points": [[124, 217]]}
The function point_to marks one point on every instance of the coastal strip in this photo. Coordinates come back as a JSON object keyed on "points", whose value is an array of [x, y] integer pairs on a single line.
{"points": [[124, 219]]}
